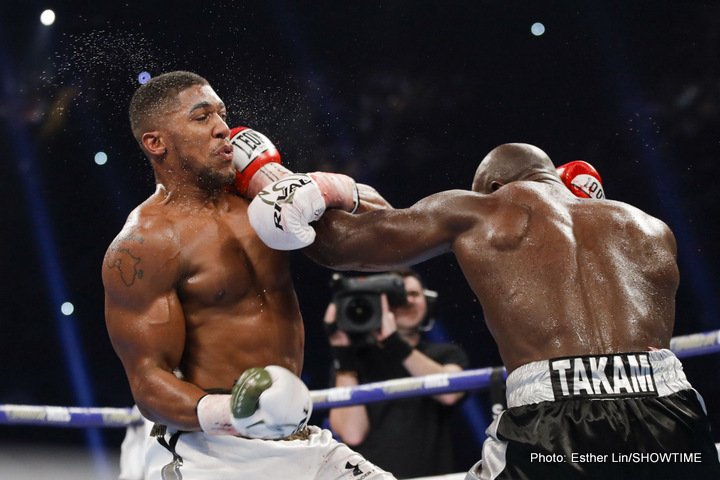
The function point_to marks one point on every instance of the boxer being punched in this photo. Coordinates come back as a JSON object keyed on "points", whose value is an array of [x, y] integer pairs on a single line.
{"points": [[579, 295], [202, 314]]}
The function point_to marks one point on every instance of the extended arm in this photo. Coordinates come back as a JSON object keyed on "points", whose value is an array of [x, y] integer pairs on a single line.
{"points": [[387, 239]]}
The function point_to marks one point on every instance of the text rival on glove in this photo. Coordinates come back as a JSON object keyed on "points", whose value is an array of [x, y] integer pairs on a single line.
{"points": [[288, 190]]}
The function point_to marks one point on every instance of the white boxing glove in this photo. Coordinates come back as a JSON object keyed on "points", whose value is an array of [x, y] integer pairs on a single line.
{"points": [[266, 403], [282, 212]]}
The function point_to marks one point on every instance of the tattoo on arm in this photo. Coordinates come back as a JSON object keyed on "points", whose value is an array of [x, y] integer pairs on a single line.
{"points": [[125, 262]]}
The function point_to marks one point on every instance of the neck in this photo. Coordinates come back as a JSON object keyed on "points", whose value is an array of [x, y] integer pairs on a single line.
{"points": [[188, 193]]}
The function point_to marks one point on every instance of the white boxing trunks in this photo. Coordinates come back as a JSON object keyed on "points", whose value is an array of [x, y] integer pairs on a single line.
{"points": [[623, 415], [199, 456]]}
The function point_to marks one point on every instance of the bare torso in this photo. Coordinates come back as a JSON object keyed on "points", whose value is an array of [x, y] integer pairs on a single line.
{"points": [[559, 276], [556, 275], [237, 295], [192, 288]]}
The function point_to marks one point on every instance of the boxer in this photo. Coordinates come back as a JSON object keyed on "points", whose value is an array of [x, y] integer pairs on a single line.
{"points": [[203, 315], [579, 295]]}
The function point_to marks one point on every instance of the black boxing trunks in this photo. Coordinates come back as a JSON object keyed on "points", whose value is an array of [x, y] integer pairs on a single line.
{"points": [[617, 416]]}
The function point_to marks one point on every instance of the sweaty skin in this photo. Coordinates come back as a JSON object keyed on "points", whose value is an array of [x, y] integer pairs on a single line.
{"points": [[556, 275], [190, 290]]}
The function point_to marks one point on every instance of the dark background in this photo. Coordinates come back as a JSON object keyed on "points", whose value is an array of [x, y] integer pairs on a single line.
{"points": [[407, 96]]}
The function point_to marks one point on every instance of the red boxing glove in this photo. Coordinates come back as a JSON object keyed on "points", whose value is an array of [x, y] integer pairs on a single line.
{"points": [[581, 179], [253, 151]]}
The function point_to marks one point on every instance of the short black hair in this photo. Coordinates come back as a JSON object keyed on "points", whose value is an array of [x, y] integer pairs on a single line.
{"points": [[154, 97]]}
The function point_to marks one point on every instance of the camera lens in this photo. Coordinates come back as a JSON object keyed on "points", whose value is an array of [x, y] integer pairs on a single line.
{"points": [[359, 310]]}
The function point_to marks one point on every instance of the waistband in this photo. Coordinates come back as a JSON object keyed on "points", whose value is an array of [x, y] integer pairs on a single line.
{"points": [[618, 375], [159, 431]]}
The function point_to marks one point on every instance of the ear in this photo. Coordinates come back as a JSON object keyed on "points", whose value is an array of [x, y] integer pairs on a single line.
{"points": [[495, 185], [153, 143]]}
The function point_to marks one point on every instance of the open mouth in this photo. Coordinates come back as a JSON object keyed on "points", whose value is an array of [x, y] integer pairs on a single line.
{"points": [[226, 152]]}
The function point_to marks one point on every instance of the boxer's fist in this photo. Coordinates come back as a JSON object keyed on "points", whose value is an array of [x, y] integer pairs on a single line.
{"points": [[253, 152], [581, 179], [269, 403], [282, 212]]}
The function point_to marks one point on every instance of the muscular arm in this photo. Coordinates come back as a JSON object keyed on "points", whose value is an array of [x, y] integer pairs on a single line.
{"points": [[386, 239], [146, 325]]}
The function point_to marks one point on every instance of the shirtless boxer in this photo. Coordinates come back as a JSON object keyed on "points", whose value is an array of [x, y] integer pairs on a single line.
{"points": [[194, 302], [579, 296]]}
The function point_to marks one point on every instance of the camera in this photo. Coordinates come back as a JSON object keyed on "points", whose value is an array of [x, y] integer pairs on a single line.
{"points": [[357, 299]]}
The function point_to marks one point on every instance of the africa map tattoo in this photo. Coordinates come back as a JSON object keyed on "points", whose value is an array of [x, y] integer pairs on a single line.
{"points": [[126, 263]]}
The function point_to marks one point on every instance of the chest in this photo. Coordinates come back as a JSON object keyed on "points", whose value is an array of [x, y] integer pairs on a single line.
{"points": [[223, 260]]}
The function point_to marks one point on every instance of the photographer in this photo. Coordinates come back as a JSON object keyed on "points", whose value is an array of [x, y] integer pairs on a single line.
{"points": [[409, 437]]}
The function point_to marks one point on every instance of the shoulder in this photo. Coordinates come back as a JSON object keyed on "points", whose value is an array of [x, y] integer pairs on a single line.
{"points": [[648, 225], [146, 228], [629, 215], [452, 197], [457, 205], [145, 243]]}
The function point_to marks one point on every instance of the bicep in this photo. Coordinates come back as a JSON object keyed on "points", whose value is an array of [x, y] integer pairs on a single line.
{"points": [[143, 314], [148, 337]]}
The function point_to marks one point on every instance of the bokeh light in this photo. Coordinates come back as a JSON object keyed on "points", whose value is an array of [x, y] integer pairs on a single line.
{"points": [[67, 308], [101, 158], [47, 17], [537, 29]]}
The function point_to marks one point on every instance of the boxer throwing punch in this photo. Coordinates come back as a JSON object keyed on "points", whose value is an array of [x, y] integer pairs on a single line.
{"points": [[579, 296], [203, 316]]}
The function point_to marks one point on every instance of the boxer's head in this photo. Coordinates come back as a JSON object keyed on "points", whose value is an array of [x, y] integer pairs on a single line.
{"points": [[510, 162], [179, 122], [153, 99]]}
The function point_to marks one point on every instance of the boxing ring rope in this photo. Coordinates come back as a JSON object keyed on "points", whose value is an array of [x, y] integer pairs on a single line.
{"points": [[83, 417], [86, 417]]}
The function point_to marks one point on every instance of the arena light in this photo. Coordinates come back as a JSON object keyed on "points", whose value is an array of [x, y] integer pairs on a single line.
{"points": [[47, 17], [67, 308], [537, 29], [101, 158]]}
